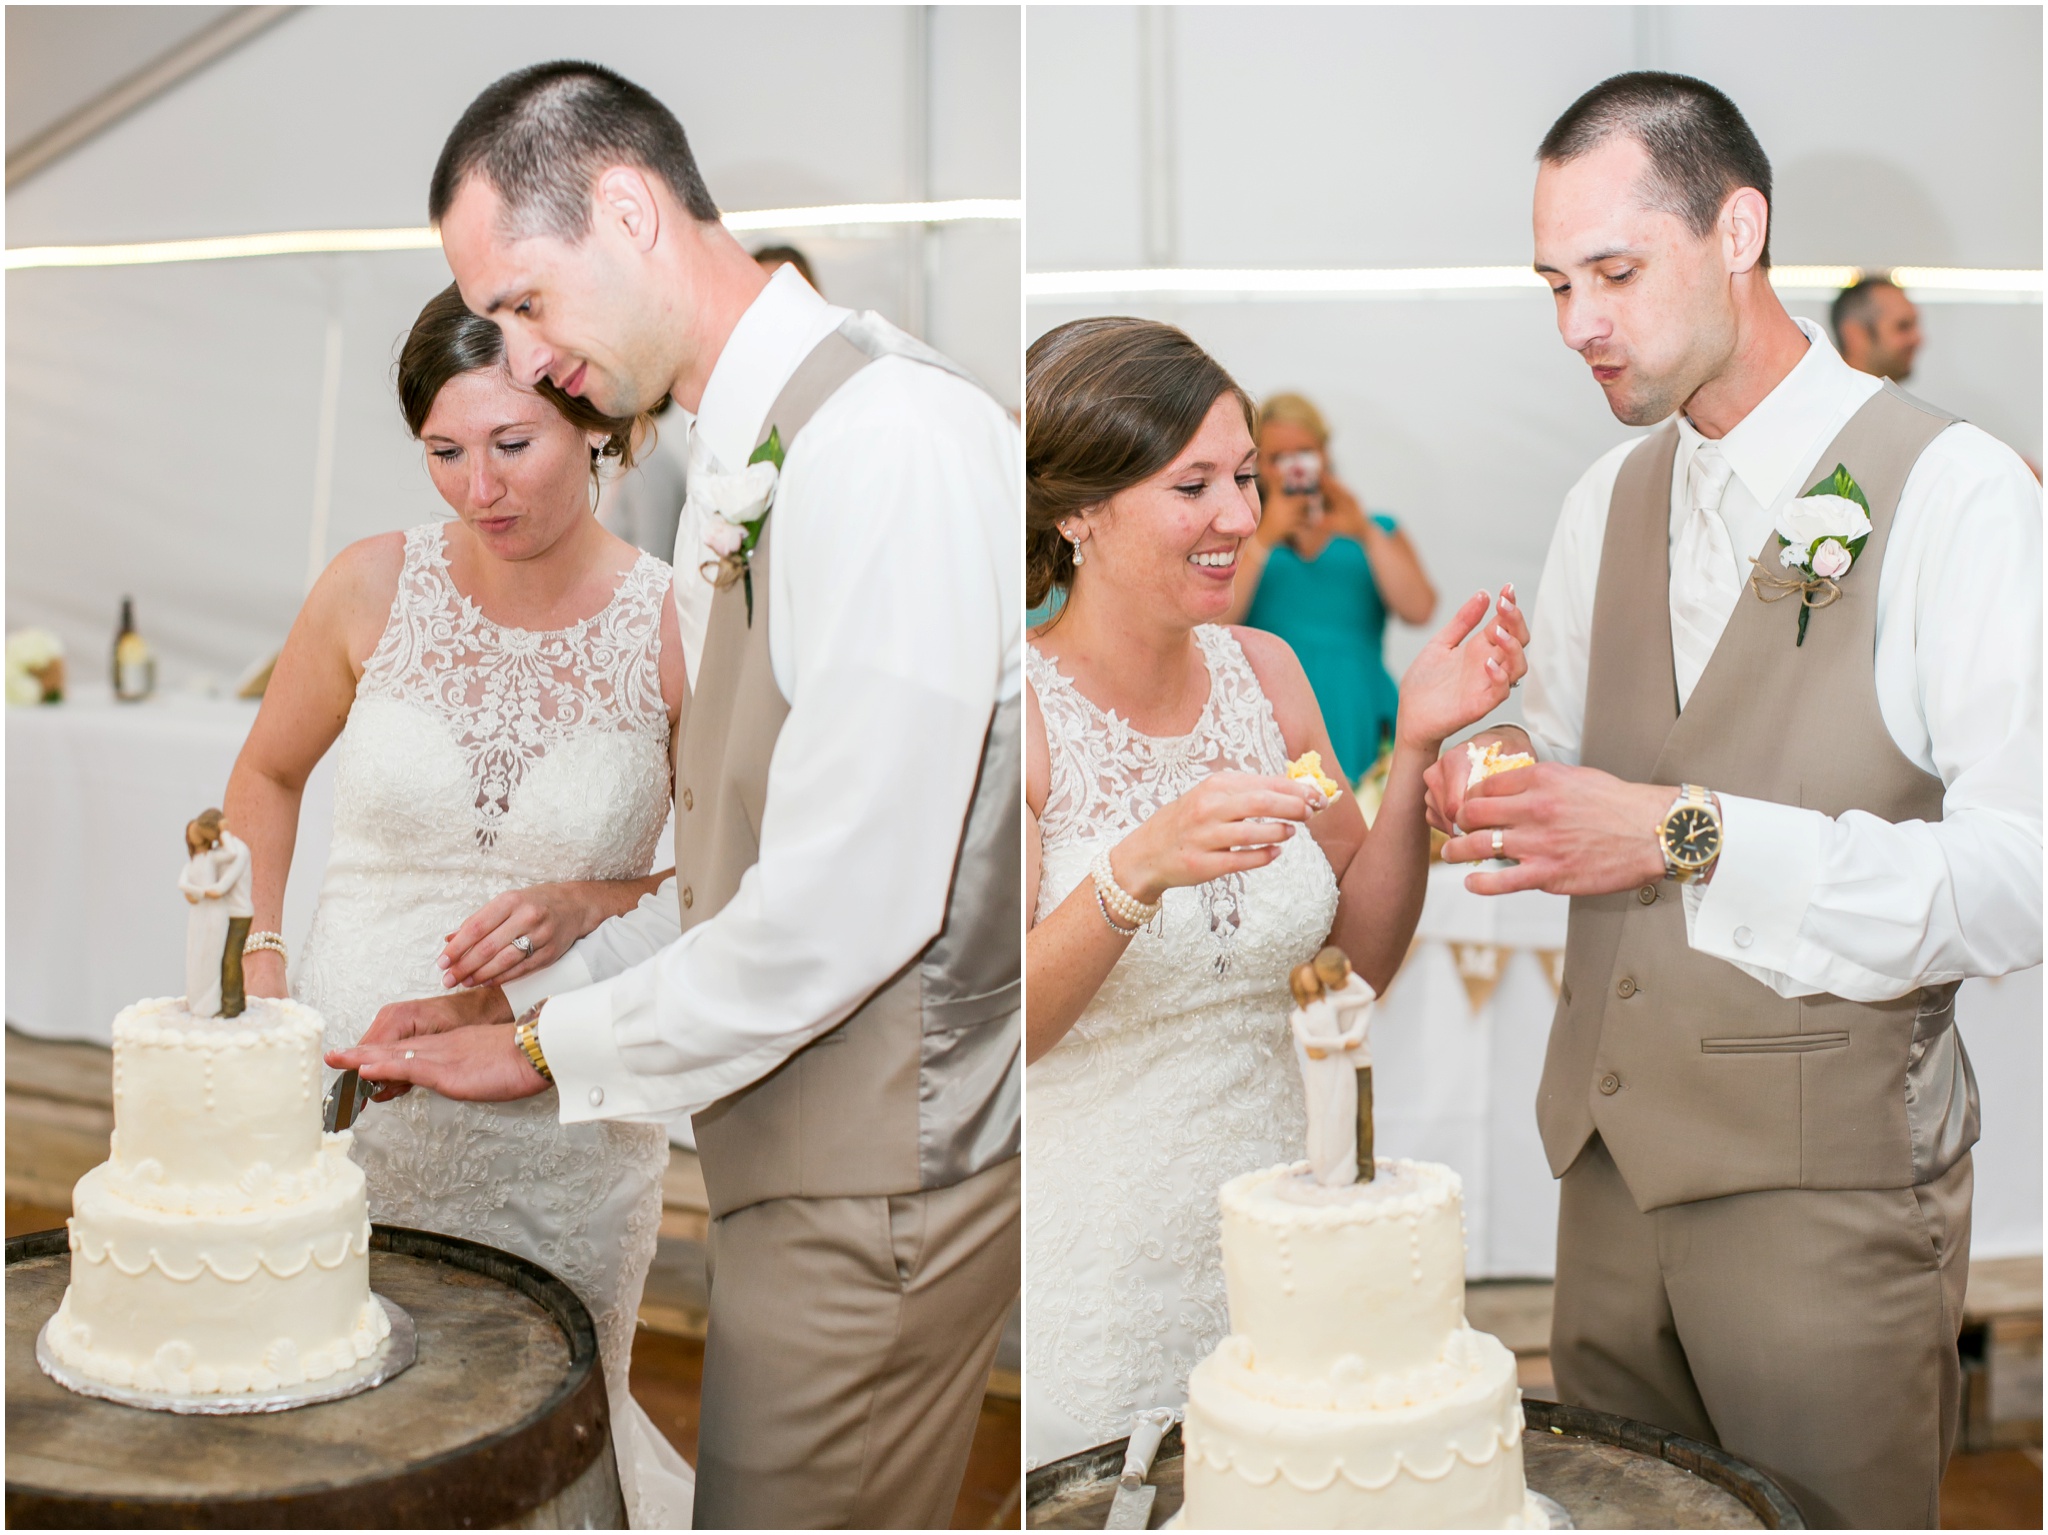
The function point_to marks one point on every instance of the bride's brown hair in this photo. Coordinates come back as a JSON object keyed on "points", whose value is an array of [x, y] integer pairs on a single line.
{"points": [[1107, 405], [448, 340]]}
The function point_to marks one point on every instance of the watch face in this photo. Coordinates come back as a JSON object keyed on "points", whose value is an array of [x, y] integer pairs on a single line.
{"points": [[1691, 836]]}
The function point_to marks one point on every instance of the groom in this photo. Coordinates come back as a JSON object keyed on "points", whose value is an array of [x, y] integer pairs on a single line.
{"points": [[1787, 835], [831, 982]]}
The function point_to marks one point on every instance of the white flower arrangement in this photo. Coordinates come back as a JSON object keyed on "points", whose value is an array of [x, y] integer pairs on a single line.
{"points": [[35, 667]]}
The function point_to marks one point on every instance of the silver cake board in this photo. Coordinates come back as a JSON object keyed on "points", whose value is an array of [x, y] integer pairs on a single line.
{"points": [[1549, 1508], [389, 1358]]}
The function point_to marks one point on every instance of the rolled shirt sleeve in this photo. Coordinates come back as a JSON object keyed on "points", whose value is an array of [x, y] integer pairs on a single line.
{"points": [[894, 610]]}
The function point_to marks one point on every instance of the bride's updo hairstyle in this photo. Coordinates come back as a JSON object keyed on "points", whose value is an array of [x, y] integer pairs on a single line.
{"points": [[1107, 405], [448, 340]]}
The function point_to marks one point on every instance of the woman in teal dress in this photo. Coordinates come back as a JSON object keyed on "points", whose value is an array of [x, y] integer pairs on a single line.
{"points": [[1324, 576]]}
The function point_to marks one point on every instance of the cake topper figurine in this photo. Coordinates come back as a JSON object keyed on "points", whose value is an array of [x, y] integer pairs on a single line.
{"points": [[215, 881], [1333, 1011]]}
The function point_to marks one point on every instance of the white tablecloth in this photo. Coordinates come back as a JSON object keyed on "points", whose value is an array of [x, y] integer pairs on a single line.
{"points": [[98, 794], [1458, 1086]]}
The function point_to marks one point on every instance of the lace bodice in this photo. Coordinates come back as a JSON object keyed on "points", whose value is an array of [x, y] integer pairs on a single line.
{"points": [[478, 759], [1178, 1075]]}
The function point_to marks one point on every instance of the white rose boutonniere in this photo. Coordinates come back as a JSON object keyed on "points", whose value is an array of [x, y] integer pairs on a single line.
{"points": [[735, 508], [1820, 534]]}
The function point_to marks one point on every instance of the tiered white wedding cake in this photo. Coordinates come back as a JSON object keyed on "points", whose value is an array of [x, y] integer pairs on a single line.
{"points": [[1351, 1393], [223, 1246]]}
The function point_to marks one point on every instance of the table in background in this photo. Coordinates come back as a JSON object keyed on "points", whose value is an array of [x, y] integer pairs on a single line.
{"points": [[98, 794]]}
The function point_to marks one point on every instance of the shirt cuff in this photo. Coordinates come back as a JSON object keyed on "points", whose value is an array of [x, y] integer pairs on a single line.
{"points": [[1751, 911], [592, 1080], [569, 973]]}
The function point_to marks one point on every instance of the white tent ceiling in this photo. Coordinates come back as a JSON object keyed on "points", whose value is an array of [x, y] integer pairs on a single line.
{"points": [[163, 420]]}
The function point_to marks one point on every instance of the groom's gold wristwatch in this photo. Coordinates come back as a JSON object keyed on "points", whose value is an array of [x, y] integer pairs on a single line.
{"points": [[1690, 835], [526, 1033]]}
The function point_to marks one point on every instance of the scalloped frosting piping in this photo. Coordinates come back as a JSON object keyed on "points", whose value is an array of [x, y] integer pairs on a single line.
{"points": [[174, 1368], [1240, 1197], [1500, 1439], [288, 1266]]}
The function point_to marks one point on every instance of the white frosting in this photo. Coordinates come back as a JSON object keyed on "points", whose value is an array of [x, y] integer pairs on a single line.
{"points": [[1375, 1270], [1351, 1394], [224, 1246]]}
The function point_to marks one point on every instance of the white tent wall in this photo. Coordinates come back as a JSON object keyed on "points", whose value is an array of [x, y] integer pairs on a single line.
{"points": [[163, 421], [1405, 137]]}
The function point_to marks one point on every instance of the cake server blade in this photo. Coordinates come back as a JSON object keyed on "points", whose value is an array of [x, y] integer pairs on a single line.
{"points": [[1131, 1508], [346, 1100]]}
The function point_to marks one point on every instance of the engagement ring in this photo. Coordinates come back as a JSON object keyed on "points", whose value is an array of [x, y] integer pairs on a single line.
{"points": [[410, 1054], [524, 945]]}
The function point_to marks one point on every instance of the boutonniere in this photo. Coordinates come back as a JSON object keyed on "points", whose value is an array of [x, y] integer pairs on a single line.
{"points": [[1820, 534], [736, 508]]}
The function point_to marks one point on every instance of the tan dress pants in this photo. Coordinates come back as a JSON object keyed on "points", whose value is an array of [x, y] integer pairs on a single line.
{"points": [[848, 1352], [1810, 1332]]}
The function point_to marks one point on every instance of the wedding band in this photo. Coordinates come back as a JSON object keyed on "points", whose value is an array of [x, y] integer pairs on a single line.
{"points": [[1500, 841], [524, 945]]}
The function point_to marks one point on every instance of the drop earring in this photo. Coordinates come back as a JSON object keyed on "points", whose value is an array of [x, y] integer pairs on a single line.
{"points": [[1075, 544]]}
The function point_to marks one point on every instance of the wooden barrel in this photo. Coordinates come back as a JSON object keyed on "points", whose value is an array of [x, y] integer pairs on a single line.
{"points": [[1607, 1473], [502, 1422]]}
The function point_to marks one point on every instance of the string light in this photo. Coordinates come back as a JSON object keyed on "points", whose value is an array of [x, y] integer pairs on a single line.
{"points": [[326, 242]]}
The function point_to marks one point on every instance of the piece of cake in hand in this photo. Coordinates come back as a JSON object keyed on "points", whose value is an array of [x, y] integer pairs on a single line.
{"points": [[1309, 767], [1487, 761]]}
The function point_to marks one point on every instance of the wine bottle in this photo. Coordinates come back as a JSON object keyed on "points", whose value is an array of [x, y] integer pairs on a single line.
{"points": [[134, 661]]}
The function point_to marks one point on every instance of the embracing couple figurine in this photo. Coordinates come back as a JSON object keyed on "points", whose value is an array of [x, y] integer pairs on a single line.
{"points": [[827, 978]]}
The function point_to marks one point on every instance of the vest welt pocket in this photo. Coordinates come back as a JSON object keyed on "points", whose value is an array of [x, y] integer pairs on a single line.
{"points": [[1775, 1044]]}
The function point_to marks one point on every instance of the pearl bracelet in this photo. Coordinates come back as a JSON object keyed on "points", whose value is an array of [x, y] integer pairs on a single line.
{"points": [[1117, 899], [271, 941], [1103, 906]]}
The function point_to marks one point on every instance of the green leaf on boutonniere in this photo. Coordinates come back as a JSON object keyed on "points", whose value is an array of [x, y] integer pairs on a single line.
{"points": [[770, 452], [1841, 483]]}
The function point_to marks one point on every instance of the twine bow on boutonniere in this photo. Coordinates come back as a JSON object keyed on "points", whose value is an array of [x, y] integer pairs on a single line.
{"points": [[1820, 534], [735, 508]]}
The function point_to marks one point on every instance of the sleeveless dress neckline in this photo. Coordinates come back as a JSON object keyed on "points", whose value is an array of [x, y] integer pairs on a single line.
{"points": [[1202, 720], [437, 552]]}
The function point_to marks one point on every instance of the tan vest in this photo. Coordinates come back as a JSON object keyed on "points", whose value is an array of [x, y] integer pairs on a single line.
{"points": [[919, 1088], [1702, 1080]]}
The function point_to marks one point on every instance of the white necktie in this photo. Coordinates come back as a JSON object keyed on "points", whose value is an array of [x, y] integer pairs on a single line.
{"points": [[1705, 584]]}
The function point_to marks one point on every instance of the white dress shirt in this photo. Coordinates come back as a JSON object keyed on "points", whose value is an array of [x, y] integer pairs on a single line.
{"points": [[1854, 905], [895, 626]]}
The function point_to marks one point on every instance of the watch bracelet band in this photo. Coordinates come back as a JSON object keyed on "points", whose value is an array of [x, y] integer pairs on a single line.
{"points": [[526, 1033]]}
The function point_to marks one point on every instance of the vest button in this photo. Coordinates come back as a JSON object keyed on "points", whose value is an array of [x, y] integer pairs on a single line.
{"points": [[689, 897], [688, 803], [1647, 895], [1625, 987], [1610, 1084]]}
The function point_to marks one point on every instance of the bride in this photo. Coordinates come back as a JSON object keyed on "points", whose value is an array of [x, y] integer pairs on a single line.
{"points": [[1175, 874], [502, 691]]}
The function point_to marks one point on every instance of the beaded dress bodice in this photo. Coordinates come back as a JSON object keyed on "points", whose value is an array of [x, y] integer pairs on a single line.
{"points": [[1178, 1075]]}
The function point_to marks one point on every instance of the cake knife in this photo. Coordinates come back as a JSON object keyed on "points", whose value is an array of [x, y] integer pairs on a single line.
{"points": [[345, 1100], [1131, 1508]]}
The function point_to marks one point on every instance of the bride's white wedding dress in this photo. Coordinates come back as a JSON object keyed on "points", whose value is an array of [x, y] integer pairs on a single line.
{"points": [[1179, 1075], [479, 759]]}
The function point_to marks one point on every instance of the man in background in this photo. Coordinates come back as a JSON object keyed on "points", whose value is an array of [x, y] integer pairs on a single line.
{"points": [[1877, 327]]}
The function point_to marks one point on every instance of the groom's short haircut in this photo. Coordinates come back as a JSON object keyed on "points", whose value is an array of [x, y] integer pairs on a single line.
{"points": [[1699, 145], [541, 136]]}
